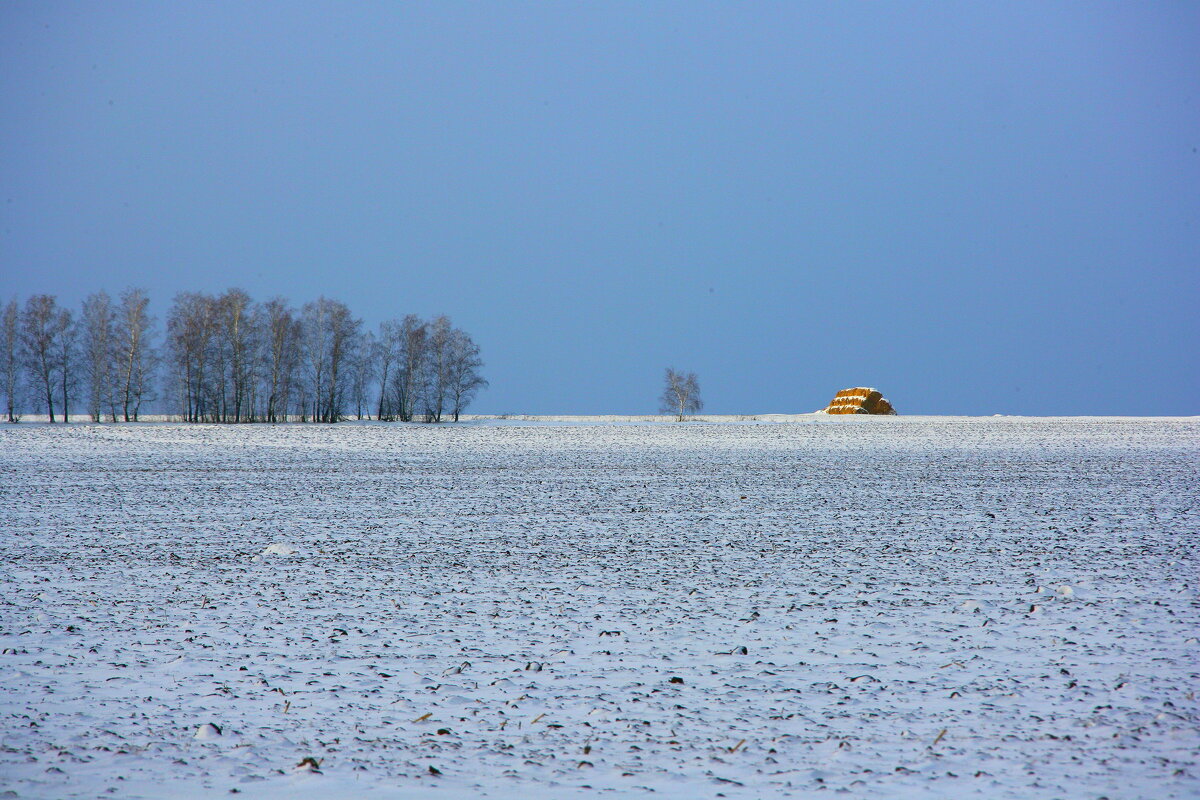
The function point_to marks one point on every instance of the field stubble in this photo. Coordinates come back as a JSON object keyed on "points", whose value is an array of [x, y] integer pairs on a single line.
{"points": [[900, 607]]}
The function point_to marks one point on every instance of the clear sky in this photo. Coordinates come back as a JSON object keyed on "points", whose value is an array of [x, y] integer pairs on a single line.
{"points": [[976, 207]]}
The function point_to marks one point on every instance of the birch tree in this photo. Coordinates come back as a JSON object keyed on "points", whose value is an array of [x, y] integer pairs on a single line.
{"points": [[237, 337], [384, 353], [65, 356], [330, 336], [436, 383], [409, 376], [315, 322], [344, 337], [463, 365], [362, 373], [681, 394], [97, 338], [136, 357], [192, 331], [10, 356], [39, 345], [281, 354]]}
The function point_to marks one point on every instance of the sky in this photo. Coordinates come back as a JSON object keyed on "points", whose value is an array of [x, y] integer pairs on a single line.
{"points": [[978, 208]]}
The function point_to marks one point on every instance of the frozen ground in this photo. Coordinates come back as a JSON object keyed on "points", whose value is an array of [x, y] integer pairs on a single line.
{"points": [[873, 608]]}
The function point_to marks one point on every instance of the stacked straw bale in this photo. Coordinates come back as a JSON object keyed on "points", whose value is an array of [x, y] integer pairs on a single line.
{"points": [[859, 400]]}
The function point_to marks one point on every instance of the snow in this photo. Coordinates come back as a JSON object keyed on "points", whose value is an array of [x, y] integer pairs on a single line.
{"points": [[886, 607], [207, 731]]}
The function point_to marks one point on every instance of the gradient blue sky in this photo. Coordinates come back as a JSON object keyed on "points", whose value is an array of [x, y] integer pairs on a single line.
{"points": [[977, 207]]}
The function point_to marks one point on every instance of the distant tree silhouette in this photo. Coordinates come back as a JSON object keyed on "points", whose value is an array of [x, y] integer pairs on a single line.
{"points": [[97, 323], [137, 360], [681, 394], [462, 370], [40, 335], [231, 359], [10, 356]]}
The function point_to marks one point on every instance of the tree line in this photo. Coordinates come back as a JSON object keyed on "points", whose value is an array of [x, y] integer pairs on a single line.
{"points": [[228, 358]]}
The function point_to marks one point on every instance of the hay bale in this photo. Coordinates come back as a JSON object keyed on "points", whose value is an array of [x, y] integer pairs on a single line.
{"points": [[859, 400]]}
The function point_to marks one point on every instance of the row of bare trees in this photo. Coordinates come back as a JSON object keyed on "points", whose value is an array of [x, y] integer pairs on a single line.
{"points": [[428, 369], [228, 358], [103, 358]]}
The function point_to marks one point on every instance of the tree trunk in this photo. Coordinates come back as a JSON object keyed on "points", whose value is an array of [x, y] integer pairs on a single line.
{"points": [[49, 397]]}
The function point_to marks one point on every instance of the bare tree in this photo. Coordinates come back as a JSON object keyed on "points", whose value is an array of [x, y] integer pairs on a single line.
{"points": [[191, 328], [330, 336], [98, 321], [303, 406], [384, 353], [316, 354], [363, 374], [282, 354], [64, 355], [409, 375], [436, 383], [463, 367], [10, 356], [681, 394], [315, 326], [344, 340], [39, 339], [237, 343], [136, 357]]}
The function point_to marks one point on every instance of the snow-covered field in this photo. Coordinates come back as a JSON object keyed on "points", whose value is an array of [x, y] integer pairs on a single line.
{"points": [[874, 608]]}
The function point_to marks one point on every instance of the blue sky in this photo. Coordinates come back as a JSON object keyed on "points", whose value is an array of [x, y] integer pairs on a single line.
{"points": [[977, 208]]}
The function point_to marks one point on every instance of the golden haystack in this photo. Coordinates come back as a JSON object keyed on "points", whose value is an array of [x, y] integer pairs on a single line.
{"points": [[859, 400]]}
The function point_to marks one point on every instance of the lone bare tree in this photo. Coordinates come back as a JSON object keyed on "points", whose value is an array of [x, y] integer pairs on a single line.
{"points": [[681, 394], [10, 356]]}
